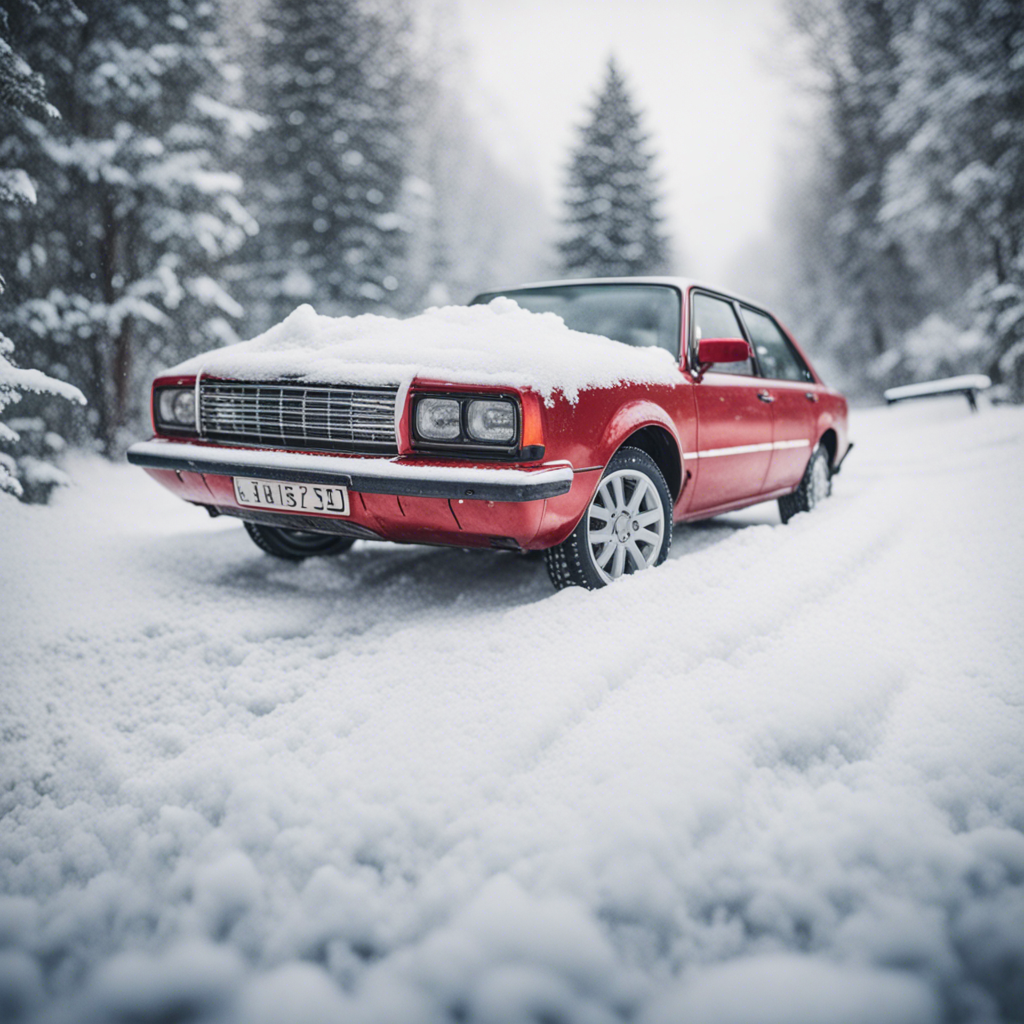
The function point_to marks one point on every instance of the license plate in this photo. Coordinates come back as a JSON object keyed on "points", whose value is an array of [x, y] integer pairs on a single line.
{"points": [[291, 497]]}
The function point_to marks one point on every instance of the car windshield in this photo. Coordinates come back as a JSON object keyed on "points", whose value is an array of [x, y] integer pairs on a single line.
{"points": [[641, 315]]}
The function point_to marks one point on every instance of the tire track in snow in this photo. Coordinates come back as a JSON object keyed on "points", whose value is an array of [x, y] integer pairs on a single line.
{"points": [[800, 589], [655, 675]]}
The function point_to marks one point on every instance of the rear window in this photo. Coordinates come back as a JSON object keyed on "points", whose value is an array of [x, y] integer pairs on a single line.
{"points": [[640, 315], [776, 355]]}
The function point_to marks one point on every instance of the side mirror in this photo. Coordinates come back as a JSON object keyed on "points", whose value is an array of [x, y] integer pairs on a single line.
{"points": [[721, 350]]}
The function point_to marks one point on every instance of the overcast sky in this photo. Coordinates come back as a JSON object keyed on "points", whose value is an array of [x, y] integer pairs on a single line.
{"points": [[700, 70]]}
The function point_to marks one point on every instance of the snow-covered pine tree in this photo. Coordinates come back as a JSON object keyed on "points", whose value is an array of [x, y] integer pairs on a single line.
{"points": [[15, 382], [116, 268], [853, 47], [957, 188], [909, 229], [22, 94], [326, 182], [612, 225]]}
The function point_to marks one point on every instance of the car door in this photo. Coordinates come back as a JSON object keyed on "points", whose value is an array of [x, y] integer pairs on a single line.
{"points": [[794, 397], [734, 415]]}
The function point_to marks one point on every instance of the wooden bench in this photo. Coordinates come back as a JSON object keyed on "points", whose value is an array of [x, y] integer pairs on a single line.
{"points": [[968, 385]]}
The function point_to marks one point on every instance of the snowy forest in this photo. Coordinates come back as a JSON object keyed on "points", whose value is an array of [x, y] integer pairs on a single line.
{"points": [[902, 224], [175, 175]]}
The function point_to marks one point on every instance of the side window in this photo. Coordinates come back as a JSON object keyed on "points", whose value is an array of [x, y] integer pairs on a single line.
{"points": [[776, 355], [716, 318]]}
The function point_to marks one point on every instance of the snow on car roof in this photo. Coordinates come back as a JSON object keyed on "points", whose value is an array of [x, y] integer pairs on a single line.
{"points": [[494, 344]]}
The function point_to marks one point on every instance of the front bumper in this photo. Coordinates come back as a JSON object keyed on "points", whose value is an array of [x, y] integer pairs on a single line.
{"points": [[369, 475]]}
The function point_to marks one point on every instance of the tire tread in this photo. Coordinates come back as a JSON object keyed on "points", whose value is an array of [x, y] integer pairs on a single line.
{"points": [[800, 500], [269, 539]]}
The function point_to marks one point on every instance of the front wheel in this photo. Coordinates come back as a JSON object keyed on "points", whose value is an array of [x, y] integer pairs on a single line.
{"points": [[295, 545], [814, 488], [626, 528]]}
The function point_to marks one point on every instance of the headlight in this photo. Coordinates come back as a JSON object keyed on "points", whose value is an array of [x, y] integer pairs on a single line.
{"points": [[176, 407], [466, 421], [491, 421], [438, 419]]}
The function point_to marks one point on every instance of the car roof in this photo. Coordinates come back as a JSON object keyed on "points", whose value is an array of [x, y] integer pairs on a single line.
{"points": [[682, 283]]}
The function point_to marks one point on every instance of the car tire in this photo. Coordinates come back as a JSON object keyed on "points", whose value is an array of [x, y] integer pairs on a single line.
{"points": [[814, 488], [614, 539], [295, 545]]}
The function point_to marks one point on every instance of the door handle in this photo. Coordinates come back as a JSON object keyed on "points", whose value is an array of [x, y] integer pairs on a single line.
{"points": [[765, 397], [810, 396]]}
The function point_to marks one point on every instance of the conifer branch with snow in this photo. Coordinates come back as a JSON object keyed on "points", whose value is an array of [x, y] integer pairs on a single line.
{"points": [[22, 95], [15, 382]]}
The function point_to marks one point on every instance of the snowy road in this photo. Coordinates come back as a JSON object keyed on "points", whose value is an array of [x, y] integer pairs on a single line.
{"points": [[780, 780]]}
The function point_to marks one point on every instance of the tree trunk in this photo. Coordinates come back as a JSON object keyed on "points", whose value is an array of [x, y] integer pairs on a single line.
{"points": [[108, 360], [122, 371], [998, 261]]}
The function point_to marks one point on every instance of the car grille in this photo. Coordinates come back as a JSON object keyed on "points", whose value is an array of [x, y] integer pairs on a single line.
{"points": [[350, 419]]}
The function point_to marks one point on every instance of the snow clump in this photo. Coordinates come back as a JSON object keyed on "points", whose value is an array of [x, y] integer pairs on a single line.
{"points": [[499, 344]]}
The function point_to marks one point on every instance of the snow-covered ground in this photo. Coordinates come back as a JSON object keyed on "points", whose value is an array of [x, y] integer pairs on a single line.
{"points": [[780, 779]]}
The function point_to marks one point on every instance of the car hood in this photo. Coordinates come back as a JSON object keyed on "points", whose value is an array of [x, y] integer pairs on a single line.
{"points": [[497, 344]]}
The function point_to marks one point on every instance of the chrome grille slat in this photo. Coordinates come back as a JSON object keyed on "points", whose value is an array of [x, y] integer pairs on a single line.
{"points": [[353, 419]]}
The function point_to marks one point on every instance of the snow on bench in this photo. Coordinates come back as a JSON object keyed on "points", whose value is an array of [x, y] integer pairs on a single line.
{"points": [[967, 385]]}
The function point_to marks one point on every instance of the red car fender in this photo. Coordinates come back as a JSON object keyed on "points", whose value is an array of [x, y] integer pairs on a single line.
{"points": [[834, 417], [563, 513], [630, 418], [826, 421], [834, 414]]}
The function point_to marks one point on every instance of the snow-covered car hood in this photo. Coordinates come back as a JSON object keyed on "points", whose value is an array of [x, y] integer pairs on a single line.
{"points": [[495, 344]]}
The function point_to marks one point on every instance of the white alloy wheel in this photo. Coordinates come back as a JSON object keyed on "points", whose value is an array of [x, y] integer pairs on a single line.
{"points": [[626, 527], [625, 524]]}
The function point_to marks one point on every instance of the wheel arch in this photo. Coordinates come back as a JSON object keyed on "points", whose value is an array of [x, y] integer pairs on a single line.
{"points": [[830, 442], [662, 446], [645, 425]]}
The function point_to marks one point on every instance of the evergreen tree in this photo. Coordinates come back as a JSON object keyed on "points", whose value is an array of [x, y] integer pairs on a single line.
{"points": [[327, 179], [854, 47], [22, 94], [612, 226], [116, 266], [958, 184], [909, 228]]}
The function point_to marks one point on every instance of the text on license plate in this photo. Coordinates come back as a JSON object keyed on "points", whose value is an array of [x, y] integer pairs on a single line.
{"points": [[292, 497]]}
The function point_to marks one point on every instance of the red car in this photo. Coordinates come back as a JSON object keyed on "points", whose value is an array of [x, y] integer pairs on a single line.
{"points": [[595, 475]]}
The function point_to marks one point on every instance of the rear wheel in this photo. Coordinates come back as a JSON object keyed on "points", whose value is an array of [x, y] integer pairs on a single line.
{"points": [[296, 545], [627, 527], [814, 488]]}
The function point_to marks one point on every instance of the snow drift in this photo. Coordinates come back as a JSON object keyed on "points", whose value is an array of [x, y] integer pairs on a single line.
{"points": [[779, 779], [499, 343]]}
